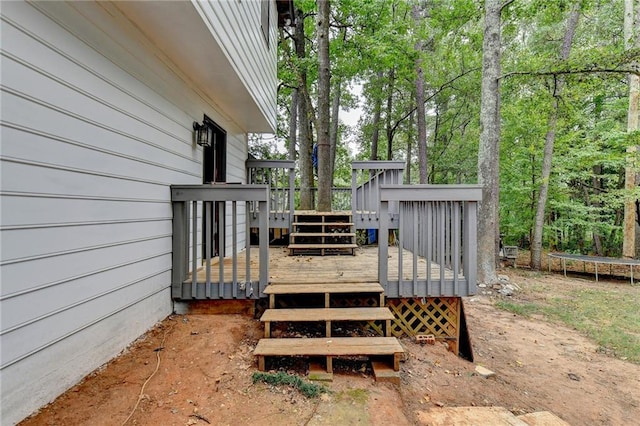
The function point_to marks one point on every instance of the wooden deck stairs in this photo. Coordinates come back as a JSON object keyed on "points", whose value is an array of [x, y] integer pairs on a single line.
{"points": [[322, 233], [384, 352]]}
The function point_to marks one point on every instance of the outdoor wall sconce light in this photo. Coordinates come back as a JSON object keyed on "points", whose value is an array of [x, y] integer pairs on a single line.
{"points": [[204, 133]]}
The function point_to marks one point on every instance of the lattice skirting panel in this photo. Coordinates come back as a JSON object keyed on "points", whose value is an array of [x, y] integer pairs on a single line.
{"points": [[439, 316]]}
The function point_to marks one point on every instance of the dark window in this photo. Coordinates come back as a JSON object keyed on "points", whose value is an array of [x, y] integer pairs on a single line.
{"points": [[214, 169], [215, 156], [265, 12]]}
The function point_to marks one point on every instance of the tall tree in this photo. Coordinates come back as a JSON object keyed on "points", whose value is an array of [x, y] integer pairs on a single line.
{"points": [[304, 113], [631, 40], [293, 125], [489, 148], [377, 114], [550, 139], [389, 112], [324, 89], [335, 123], [420, 109]]}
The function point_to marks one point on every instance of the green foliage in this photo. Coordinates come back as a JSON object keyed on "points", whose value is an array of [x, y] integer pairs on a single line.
{"points": [[373, 46], [310, 390]]}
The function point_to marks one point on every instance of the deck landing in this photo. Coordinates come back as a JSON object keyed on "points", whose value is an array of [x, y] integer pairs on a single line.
{"points": [[285, 269]]}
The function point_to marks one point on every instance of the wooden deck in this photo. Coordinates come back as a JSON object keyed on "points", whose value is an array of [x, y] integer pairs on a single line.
{"points": [[285, 269]]}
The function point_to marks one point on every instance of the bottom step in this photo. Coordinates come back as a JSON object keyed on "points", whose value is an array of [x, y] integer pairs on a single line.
{"points": [[330, 347]]}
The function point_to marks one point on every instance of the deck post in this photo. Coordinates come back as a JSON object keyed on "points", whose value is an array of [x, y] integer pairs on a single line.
{"points": [[180, 248], [383, 246], [470, 242], [264, 245], [354, 191], [194, 249], [292, 208]]}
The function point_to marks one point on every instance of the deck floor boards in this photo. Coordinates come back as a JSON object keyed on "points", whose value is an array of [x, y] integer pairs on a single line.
{"points": [[285, 269], [325, 288]]}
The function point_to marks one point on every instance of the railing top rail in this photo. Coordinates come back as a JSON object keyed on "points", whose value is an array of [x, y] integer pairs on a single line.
{"points": [[366, 165], [430, 192], [271, 164], [220, 192]]}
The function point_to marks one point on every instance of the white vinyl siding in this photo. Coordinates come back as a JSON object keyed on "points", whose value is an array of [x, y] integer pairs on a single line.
{"points": [[244, 44], [96, 125]]}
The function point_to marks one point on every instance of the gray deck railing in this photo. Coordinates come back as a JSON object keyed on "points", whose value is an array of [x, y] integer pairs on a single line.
{"points": [[366, 178], [195, 208], [340, 197], [279, 175], [436, 240]]}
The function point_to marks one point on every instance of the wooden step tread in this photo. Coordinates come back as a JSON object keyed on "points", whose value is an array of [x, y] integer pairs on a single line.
{"points": [[323, 288], [327, 314], [331, 346], [322, 234], [319, 246], [322, 223]]}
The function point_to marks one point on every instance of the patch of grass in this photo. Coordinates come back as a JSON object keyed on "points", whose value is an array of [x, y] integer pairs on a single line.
{"points": [[522, 309], [610, 317], [359, 396], [310, 390]]}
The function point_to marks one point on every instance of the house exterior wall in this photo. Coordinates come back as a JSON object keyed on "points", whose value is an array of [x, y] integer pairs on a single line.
{"points": [[245, 48], [96, 125]]}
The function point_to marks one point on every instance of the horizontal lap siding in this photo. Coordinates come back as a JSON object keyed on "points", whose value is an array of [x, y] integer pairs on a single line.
{"points": [[96, 125], [244, 45]]}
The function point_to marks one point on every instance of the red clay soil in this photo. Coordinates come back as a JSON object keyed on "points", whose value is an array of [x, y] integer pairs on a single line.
{"points": [[205, 365]]}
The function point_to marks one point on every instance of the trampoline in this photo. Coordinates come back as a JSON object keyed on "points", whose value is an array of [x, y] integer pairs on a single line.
{"points": [[595, 260]]}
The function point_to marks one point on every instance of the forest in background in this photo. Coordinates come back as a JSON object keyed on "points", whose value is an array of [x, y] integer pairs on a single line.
{"points": [[414, 70]]}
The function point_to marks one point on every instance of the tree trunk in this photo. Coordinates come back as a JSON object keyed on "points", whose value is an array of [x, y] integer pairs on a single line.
{"points": [[420, 110], [377, 106], [324, 89], [335, 115], [407, 174], [489, 147], [293, 125], [389, 128], [549, 142], [631, 40], [306, 167]]}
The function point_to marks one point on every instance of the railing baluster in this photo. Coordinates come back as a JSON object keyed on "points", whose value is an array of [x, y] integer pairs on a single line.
{"points": [[276, 183], [220, 207], [207, 237]]}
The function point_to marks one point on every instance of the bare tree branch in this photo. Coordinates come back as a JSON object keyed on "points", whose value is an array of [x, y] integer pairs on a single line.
{"points": [[568, 72]]}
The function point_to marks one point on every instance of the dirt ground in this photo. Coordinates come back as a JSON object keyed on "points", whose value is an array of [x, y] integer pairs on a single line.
{"points": [[206, 365]]}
